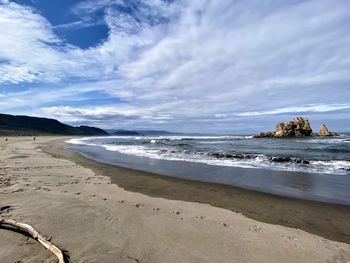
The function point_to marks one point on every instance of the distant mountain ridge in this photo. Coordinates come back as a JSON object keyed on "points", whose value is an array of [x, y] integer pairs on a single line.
{"points": [[26, 125], [121, 132], [124, 133]]}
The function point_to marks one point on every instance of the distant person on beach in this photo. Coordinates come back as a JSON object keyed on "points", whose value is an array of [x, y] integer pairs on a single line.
{"points": [[34, 138], [6, 139]]}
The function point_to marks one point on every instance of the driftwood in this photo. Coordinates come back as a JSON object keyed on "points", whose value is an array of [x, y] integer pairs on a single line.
{"points": [[36, 235]]}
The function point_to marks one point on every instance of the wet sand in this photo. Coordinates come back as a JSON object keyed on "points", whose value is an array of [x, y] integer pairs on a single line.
{"points": [[143, 219]]}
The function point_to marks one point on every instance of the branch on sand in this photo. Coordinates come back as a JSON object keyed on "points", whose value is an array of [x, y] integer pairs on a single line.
{"points": [[37, 236]]}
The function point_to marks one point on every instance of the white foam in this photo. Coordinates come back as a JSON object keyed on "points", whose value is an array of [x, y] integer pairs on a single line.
{"points": [[214, 142], [261, 161], [333, 166], [330, 139], [340, 167], [132, 150], [82, 141], [188, 137]]}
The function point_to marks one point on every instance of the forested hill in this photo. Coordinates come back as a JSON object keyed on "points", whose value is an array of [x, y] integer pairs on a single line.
{"points": [[25, 125]]}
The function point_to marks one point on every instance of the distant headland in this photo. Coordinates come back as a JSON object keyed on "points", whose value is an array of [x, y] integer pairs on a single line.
{"points": [[14, 125]]}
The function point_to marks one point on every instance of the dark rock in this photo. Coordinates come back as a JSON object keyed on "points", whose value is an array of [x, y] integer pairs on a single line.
{"points": [[280, 159], [324, 131], [233, 156], [299, 127], [264, 135], [303, 127]]}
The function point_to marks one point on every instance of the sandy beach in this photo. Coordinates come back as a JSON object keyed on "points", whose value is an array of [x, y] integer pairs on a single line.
{"points": [[103, 213]]}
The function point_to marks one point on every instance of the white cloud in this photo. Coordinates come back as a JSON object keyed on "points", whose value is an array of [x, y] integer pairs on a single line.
{"points": [[91, 6], [79, 24], [24, 39], [298, 109], [105, 116], [16, 73], [30, 51]]}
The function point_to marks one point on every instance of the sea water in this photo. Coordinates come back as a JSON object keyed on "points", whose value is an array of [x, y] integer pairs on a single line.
{"points": [[328, 155]]}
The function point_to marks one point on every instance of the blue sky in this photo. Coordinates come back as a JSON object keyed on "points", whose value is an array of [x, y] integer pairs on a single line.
{"points": [[183, 65]]}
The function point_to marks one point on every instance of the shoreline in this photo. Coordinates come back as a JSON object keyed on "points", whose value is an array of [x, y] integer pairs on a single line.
{"points": [[324, 219]]}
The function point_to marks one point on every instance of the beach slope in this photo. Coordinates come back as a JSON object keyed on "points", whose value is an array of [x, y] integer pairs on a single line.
{"points": [[98, 221]]}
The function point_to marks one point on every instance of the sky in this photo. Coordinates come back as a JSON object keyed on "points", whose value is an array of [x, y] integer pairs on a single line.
{"points": [[212, 66]]}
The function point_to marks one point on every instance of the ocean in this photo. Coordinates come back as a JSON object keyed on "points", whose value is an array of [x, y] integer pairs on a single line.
{"points": [[316, 168]]}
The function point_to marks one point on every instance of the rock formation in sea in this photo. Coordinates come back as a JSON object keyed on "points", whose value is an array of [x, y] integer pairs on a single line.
{"points": [[324, 131], [299, 127]]}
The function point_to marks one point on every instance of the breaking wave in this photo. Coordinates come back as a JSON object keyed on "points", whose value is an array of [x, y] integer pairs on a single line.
{"points": [[235, 151]]}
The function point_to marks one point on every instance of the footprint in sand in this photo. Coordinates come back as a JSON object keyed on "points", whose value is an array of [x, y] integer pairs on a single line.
{"points": [[18, 190], [225, 225], [256, 228], [6, 208], [135, 259]]}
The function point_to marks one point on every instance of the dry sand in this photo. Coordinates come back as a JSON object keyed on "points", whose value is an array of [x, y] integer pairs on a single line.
{"points": [[97, 221]]}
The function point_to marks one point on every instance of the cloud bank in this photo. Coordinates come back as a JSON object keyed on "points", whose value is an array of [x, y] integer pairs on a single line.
{"points": [[188, 65]]}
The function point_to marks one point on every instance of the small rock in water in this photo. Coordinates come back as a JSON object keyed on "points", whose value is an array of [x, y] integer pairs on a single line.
{"points": [[324, 131]]}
